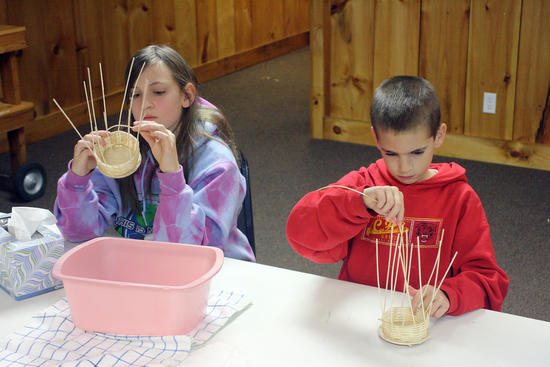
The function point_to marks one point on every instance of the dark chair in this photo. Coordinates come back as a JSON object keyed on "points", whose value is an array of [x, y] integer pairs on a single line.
{"points": [[245, 221]]}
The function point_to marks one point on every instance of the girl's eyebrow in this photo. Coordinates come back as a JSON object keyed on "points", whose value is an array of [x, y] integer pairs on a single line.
{"points": [[150, 84], [157, 82]]}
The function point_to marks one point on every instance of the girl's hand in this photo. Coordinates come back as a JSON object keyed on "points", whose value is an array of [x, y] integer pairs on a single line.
{"points": [[83, 158], [162, 142], [386, 201], [440, 305]]}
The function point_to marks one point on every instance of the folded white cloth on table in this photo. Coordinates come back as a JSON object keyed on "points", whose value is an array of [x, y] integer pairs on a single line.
{"points": [[52, 339]]}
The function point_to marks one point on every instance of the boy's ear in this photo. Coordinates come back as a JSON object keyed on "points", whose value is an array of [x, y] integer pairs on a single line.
{"points": [[440, 135], [188, 95]]}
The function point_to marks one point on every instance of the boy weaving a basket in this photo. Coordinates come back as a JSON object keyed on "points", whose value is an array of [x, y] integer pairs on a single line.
{"points": [[432, 202]]}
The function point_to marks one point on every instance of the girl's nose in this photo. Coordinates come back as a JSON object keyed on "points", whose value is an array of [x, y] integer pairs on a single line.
{"points": [[147, 103]]}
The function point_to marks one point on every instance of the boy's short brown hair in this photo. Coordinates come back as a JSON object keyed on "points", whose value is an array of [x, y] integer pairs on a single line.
{"points": [[404, 102]]}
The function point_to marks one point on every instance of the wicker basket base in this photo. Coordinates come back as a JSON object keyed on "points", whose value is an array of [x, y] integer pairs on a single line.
{"points": [[120, 157], [381, 335], [399, 328]]}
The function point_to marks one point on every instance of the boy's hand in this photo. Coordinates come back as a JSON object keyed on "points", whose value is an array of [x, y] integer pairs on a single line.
{"points": [[440, 305], [386, 201]]}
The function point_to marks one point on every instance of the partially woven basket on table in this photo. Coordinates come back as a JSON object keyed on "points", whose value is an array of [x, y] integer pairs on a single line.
{"points": [[398, 326]]}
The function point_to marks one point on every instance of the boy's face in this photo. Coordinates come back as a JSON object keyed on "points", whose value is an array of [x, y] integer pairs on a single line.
{"points": [[408, 154]]}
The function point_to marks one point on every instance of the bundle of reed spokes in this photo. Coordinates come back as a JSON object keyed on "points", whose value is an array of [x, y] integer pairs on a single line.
{"points": [[117, 155], [401, 324]]}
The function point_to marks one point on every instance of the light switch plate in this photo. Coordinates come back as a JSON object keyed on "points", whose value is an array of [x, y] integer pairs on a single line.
{"points": [[489, 103]]}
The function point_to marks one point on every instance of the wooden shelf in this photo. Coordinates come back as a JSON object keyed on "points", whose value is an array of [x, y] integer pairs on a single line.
{"points": [[14, 116], [14, 112], [12, 38]]}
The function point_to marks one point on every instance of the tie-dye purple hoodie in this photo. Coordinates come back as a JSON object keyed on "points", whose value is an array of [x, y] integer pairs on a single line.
{"points": [[202, 211]]}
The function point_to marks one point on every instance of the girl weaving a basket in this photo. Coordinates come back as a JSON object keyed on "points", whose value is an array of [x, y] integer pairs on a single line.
{"points": [[188, 187]]}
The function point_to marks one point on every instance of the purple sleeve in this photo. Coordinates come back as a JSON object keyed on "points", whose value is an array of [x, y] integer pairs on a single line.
{"points": [[85, 205], [203, 212]]}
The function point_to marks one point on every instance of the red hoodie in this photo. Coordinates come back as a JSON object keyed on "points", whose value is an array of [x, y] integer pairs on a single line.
{"points": [[333, 224]]}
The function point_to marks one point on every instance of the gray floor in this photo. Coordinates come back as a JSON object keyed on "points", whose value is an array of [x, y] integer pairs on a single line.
{"points": [[268, 104]]}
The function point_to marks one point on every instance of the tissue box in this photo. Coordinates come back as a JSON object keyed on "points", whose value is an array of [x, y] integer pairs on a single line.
{"points": [[26, 267]]}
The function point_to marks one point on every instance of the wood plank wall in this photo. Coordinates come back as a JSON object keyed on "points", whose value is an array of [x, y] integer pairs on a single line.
{"points": [[65, 37], [464, 47]]}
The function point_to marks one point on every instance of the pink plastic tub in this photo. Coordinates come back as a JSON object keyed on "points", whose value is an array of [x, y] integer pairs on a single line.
{"points": [[135, 287]]}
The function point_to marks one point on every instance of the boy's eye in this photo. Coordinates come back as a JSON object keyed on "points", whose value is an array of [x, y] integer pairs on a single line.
{"points": [[418, 152], [159, 92], [390, 154], [135, 95]]}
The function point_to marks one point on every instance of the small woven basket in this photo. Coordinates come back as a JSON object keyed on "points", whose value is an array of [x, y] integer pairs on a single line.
{"points": [[398, 326], [120, 157]]}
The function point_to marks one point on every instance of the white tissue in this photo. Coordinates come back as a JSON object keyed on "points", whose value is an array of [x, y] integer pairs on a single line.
{"points": [[25, 220]]}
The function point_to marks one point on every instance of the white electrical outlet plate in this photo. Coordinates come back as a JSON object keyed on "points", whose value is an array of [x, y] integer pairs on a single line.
{"points": [[489, 103]]}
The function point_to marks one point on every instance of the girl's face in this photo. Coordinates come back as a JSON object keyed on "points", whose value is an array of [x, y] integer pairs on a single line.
{"points": [[164, 101], [408, 154]]}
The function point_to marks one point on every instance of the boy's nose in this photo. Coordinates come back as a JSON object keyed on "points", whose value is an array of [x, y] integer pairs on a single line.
{"points": [[405, 165]]}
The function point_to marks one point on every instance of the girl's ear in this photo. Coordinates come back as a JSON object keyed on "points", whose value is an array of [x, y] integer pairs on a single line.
{"points": [[440, 135], [188, 95]]}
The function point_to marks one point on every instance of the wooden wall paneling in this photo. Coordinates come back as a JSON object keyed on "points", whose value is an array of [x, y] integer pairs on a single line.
{"points": [[267, 21], [116, 42], [252, 56], [533, 75], [351, 59], [62, 60], [4, 12], [207, 33], [3, 20], [55, 123], [118, 28], [347, 130], [459, 146], [499, 151], [492, 62], [140, 24], [163, 12], [33, 63], [243, 25], [543, 134], [444, 54], [225, 13], [319, 45], [296, 16], [396, 38], [59, 46], [89, 44], [186, 30]]}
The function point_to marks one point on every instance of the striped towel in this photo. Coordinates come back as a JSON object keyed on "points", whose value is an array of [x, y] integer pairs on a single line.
{"points": [[51, 339]]}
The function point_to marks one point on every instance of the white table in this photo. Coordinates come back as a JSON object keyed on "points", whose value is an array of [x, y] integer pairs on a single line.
{"points": [[299, 319]]}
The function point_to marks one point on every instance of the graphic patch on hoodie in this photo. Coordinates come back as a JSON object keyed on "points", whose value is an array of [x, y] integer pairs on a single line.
{"points": [[427, 230], [137, 227]]}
